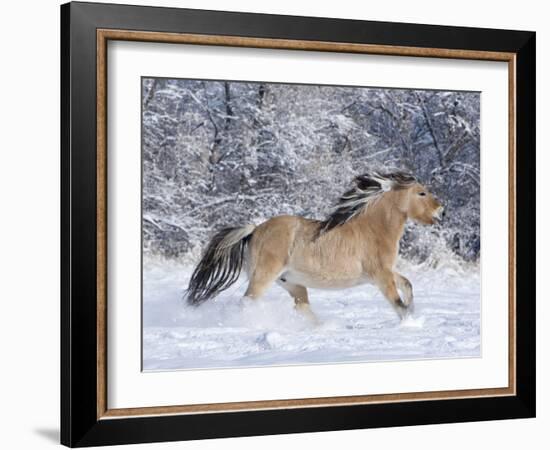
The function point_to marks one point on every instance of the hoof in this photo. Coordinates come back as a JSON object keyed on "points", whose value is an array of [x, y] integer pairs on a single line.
{"points": [[246, 301], [306, 311]]}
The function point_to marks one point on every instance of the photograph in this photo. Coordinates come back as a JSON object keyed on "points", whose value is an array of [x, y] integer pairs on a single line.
{"points": [[296, 224]]}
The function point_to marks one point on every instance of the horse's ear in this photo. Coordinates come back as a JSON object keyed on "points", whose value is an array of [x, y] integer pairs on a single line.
{"points": [[366, 181]]}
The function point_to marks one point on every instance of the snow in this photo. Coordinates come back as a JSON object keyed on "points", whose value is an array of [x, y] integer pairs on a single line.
{"points": [[355, 324]]}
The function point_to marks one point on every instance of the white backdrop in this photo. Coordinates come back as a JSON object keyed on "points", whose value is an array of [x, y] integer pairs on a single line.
{"points": [[128, 387], [30, 224]]}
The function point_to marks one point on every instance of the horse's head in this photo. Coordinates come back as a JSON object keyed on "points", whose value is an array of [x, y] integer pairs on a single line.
{"points": [[421, 206], [380, 194]]}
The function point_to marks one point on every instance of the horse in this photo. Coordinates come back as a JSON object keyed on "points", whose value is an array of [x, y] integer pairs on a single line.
{"points": [[357, 243]]}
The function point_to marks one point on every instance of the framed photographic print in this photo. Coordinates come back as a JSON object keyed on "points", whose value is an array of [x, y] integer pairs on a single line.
{"points": [[277, 224]]}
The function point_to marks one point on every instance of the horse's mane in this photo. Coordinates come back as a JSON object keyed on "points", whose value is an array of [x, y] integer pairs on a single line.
{"points": [[367, 189]]}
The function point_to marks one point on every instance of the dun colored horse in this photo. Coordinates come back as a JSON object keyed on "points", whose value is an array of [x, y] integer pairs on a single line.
{"points": [[357, 243]]}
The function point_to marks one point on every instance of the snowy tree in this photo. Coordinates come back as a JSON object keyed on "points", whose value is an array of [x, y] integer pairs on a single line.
{"points": [[219, 153]]}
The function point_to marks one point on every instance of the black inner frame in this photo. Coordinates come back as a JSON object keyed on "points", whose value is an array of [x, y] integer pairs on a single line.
{"points": [[79, 423]]}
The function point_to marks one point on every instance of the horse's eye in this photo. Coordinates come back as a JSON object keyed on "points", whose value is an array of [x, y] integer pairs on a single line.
{"points": [[422, 194]]}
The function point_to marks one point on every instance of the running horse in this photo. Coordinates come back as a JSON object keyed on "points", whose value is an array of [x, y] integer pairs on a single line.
{"points": [[357, 243]]}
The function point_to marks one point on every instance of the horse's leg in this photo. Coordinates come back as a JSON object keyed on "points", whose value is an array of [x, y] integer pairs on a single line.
{"points": [[301, 300], [267, 269], [386, 283], [405, 286], [268, 254]]}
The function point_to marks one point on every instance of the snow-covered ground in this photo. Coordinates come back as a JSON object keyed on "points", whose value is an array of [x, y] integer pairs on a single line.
{"points": [[356, 324]]}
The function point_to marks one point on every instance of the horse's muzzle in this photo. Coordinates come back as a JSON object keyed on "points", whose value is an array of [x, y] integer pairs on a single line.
{"points": [[439, 214]]}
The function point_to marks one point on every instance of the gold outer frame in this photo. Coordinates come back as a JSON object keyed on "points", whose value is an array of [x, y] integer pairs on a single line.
{"points": [[103, 36]]}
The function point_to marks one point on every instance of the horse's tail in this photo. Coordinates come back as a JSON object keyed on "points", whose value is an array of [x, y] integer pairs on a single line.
{"points": [[220, 265]]}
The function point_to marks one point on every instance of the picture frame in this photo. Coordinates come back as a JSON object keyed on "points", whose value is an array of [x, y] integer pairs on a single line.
{"points": [[86, 418]]}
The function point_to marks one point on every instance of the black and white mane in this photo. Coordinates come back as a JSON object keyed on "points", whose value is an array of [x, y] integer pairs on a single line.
{"points": [[367, 188]]}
